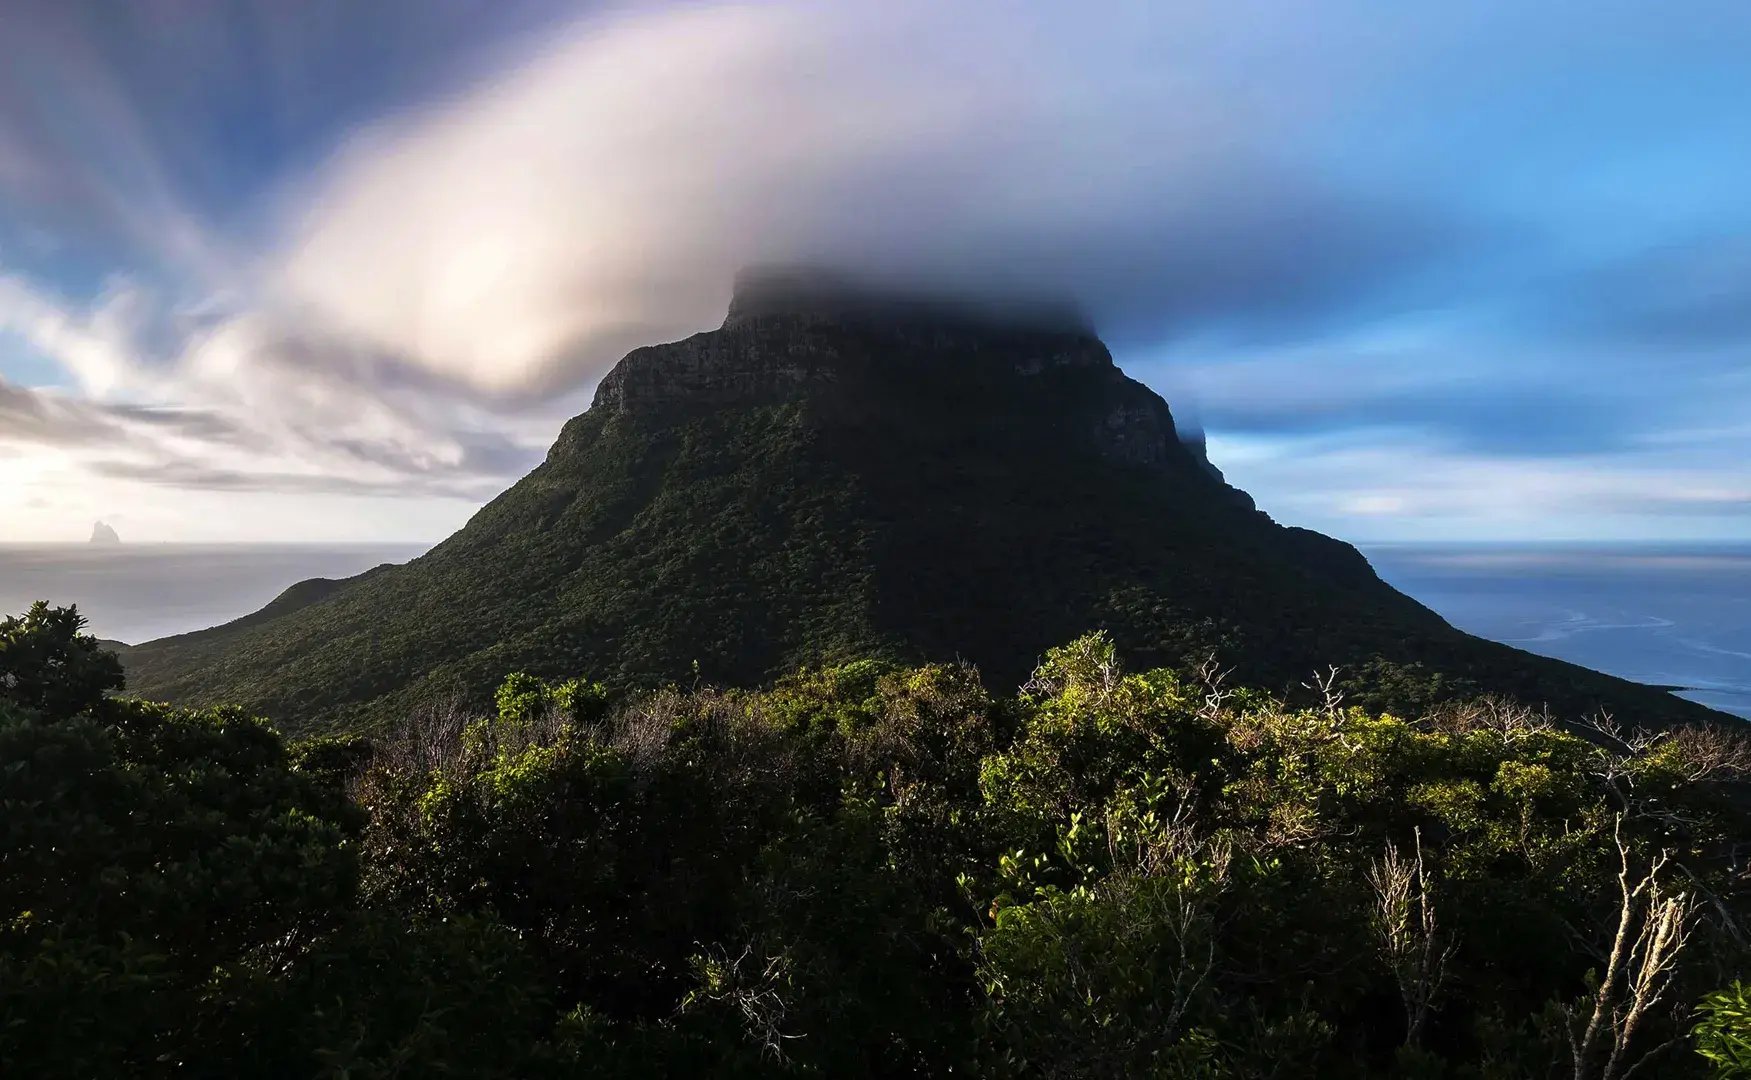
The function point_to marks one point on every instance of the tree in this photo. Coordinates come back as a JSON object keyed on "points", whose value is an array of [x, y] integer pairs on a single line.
{"points": [[145, 852], [863, 870], [49, 665]]}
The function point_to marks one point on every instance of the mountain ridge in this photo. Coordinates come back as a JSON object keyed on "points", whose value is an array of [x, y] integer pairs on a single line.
{"points": [[846, 477]]}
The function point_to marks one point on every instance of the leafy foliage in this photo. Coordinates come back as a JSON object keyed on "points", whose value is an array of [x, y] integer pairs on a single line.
{"points": [[871, 869], [46, 662], [1723, 1035]]}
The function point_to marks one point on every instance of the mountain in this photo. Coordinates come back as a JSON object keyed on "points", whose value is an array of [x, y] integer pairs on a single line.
{"points": [[103, 534], [835, 474]]}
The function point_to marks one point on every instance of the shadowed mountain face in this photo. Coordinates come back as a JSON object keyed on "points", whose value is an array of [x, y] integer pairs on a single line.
{"points": [[833, 475]]}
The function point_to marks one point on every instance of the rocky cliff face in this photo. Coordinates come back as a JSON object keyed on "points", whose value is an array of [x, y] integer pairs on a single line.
{"points": [[786, 333], [791, 335]]}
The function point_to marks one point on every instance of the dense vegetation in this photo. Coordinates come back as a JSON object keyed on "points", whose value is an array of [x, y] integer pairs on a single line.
{"points": [[866, 869], [787, 493]]}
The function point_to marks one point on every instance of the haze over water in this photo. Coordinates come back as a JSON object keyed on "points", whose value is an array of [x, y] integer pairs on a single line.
{"points": [[1677, 615]]}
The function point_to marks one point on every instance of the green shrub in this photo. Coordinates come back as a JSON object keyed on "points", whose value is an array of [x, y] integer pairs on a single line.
{"points": [[1723, 1035], [864, 870]]}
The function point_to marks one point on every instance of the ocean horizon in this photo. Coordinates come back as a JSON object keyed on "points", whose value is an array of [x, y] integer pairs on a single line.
{"points": [[1666, 614], [138, 592]]}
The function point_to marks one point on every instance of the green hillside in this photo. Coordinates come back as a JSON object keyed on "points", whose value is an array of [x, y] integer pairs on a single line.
{"points": [[822, 479]]}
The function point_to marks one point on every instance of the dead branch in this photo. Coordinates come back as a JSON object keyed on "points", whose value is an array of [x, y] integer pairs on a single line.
{"points": [[1404, 920], [1653, 927]]}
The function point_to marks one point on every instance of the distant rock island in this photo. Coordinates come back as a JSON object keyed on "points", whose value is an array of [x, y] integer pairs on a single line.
{"points": [[103, 534]]}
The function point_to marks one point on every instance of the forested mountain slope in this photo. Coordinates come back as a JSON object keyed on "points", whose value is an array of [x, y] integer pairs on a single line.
{"points": [[830, 475]]}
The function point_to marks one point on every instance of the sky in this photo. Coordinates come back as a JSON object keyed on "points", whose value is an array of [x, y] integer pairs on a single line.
{"points": [[338, 270]]}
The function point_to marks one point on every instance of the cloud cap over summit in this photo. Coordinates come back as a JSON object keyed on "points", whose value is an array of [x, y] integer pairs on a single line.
{"points": [[336, 254]]}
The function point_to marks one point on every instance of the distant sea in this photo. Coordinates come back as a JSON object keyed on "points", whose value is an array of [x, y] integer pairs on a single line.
{"points": [[1666, 614], [1671, 615], [137, 592]]}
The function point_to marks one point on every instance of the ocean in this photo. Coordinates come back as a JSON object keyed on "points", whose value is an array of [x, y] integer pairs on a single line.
{"points": [[1672, 615], [137, 592], [1666, 614]]}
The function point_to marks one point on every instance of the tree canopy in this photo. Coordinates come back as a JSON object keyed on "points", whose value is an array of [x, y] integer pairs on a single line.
{"points": [[863, 869]]}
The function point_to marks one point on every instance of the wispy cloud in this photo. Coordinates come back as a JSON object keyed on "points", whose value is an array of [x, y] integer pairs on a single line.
{"points": [[246, 401], [495, 251], [386, 247], [604, 194], [34, 416], [182, 474], [1396, 485]]}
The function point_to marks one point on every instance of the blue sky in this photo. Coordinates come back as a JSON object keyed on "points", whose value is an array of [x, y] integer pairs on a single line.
{"points": [[339, 270]]}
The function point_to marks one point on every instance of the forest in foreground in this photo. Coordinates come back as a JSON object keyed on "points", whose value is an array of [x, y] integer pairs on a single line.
{"points": [[865, 870]]}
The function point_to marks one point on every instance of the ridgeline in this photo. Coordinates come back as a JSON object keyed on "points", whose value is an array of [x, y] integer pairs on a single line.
{"points": [[836, 474]]}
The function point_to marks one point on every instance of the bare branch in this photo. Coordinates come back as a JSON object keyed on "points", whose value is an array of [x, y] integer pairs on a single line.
{"points": [[1404, 920], [1653, 927], [752, 989], [1325, 685], [1712, 753], [1213, 677]]}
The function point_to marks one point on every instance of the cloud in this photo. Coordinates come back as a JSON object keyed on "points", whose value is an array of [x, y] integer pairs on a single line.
{"points": [[144, 129], [1683, 296], [93, 347], [43, 418], [602, 195], [1495, 406], [182, 474], [247, 401], [1398, 485], [1256, 194], [434, 298], [426, 306], [30, 417]]}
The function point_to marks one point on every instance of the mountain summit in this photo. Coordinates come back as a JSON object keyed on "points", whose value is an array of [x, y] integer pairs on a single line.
{"points": [[839, 473]]}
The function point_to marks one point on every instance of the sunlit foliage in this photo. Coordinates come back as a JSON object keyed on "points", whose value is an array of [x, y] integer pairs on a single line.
{"points": [[867, 869]]}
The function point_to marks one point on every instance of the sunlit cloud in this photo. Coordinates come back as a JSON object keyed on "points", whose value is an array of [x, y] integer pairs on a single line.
{"points": [[383, 250], [603, 195]]}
